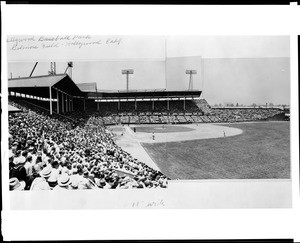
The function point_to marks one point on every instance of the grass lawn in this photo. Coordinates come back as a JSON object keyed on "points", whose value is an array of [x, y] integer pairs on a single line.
{"points": [[262, 151]]}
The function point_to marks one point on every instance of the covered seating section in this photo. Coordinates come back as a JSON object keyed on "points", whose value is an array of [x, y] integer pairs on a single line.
{"points": [[59, 90], [61, 95], [142, 95]]}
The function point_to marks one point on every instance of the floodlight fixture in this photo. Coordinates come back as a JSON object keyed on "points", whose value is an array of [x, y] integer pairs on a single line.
{"points": [[127, 71], [191, 72]]}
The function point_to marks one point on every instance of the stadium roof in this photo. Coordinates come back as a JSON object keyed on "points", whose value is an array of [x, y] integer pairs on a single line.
{"points": [[143, 94], [130, 91], [39, 85], [87, 87], [40, 81]]}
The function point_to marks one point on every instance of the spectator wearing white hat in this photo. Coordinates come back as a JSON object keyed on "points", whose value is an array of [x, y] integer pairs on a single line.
{"points": [[41, 183], [16, 185], [63, 182], [74, 181]]}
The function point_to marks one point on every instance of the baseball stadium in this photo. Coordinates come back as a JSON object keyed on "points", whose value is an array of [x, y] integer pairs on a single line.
{"points": [[65, 134]]}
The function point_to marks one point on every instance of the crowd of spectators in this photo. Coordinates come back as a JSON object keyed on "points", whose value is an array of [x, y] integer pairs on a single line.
{"points": [[244, 114], [216, 115], [196, 111], [47, 153]]}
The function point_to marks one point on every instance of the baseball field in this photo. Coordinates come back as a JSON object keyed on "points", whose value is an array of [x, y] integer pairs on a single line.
{"points": [[254, 150]]}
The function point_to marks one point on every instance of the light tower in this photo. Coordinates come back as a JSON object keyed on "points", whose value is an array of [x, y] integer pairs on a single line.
{"points": [[191, 73], [127, 72], [52, 68]]}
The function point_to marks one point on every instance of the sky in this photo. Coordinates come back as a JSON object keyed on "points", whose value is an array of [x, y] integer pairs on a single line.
{"points": [[243, 69], [229, 46]]}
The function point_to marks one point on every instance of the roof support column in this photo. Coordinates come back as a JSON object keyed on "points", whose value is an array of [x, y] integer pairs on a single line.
{"points": [[50, 96], [153, 104], [69, 103], [68, 100], [65, 102], [119, 105], [72, 105], [84, 104], [184, 103], [168, 104], [62, 103], [57, 102], [135, 105], [98, 106], [67, 106]]}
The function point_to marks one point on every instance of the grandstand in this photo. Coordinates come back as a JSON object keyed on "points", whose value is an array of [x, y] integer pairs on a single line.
{"points": [[58, 94]]}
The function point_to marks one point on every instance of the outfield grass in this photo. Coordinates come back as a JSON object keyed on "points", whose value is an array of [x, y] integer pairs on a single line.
{"points": [[262, 151]]}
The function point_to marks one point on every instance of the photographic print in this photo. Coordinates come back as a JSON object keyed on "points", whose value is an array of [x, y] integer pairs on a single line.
{"points": [[144, 119]]}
